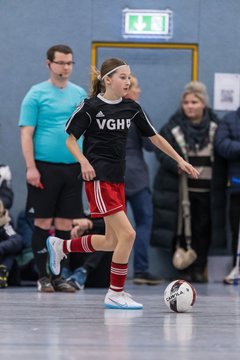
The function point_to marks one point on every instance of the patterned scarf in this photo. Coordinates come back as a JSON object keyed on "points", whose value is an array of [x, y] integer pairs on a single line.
{"points": [[196, 135]]}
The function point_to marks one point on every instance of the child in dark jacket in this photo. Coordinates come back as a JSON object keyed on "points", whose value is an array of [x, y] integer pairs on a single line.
{"points": [[10, 241], [10, 246]]}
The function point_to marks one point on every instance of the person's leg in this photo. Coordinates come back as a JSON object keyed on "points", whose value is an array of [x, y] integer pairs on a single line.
{"points": [[93, 260], [80, 274], [119, 238], [234, 219], [62, 229], [68, 207], [39, 236], [201, 233], [40, 233], [41, 205], [119, 228], [84, 265], [141, 204], [65, 235]]}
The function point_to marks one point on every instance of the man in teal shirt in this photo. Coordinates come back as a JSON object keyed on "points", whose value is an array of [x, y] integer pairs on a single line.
{"points": [[54, 190]]}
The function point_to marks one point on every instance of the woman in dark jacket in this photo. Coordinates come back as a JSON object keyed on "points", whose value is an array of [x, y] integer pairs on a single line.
{"points": [[191, 132]]}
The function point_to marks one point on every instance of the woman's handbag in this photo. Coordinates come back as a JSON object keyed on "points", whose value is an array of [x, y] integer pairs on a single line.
{"points": [[182, 258]]}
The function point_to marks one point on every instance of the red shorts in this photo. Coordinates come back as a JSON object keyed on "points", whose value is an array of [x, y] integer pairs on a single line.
{"points": [[105, 198]]}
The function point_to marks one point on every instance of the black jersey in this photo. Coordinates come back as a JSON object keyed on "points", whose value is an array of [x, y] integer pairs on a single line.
{"points": [[105, 125]]}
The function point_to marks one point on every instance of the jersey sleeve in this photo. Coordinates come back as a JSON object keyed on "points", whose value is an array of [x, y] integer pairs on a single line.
{"points": [[80, 120], [143, 123], [29, 110]]}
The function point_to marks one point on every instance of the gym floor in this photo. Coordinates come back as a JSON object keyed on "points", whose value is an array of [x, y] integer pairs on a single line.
{"points": [[75, 326]]}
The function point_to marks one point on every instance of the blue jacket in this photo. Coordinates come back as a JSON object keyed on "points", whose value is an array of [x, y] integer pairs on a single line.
{"points": [[227, 144]]}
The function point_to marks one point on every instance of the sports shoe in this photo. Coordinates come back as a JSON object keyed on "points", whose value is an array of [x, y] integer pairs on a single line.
{"points": [[44, 285], [66, 273], [120, 300], [145, 278], [232, 277], [55, 249], [78, 278], [3, 276], [60, 284]]}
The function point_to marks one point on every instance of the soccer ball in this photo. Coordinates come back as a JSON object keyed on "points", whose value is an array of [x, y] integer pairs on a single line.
{"points": [[179, 296]]}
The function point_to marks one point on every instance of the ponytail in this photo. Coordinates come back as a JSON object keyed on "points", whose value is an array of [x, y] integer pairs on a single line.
{"points": [[97, 85]]}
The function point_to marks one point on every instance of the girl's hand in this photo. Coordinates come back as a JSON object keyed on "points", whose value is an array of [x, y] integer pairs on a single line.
{"points": [[88, 172], [188, 168]]}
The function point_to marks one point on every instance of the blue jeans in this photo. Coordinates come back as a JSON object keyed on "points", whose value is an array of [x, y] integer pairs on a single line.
{"points": [[141, 204]]}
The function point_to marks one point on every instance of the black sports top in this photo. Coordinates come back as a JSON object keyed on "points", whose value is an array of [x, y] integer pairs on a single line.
{"points": [[104, 125]]}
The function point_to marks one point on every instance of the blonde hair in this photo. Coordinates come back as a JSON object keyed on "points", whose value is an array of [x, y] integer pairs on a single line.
{"points": [[108, 68], [133, 77], [198, 89]]}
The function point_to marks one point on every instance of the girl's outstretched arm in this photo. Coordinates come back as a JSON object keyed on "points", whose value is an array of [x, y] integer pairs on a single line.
{"points": [[164, 146]]}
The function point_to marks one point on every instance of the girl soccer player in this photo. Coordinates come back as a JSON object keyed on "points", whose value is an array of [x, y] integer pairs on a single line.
{"points": [[104, 120]]}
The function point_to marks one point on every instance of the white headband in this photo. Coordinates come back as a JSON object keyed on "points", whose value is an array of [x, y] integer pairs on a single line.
{"points": [[111, 71]]}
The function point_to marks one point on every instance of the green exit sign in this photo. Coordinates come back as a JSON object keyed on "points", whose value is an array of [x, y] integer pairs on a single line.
{"points": [[147, 23]]}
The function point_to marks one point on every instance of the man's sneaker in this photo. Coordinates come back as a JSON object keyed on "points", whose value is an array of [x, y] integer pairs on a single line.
{"points": [[3, 276], [60, 284], [56, 254], [146, 278], [44, 285], [233, 277], [78, 278], [120, 300]]}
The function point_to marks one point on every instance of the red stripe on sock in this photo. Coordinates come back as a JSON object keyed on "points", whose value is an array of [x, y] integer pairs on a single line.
{"points": [[82, 244], [65, 250], [118, 276]]}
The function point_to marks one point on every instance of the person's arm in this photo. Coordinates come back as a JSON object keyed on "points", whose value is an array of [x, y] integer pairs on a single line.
{"points": [[87, 171], [80, 226], [33, 175], [225, 144], [164, 146]]}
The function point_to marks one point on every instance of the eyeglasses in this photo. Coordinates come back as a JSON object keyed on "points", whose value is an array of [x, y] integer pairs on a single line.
{"points": [[63, 63]]}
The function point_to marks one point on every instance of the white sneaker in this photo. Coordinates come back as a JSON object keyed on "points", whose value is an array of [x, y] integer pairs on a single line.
{"points": [[120, 300], [233, 277], [56, 254]]}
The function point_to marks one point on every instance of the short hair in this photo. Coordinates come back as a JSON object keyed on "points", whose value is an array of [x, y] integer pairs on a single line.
{"points": [[65, 49], [198, 89]]}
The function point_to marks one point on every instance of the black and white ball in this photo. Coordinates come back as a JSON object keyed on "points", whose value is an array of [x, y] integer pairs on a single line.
{"points": [[180, 296]]}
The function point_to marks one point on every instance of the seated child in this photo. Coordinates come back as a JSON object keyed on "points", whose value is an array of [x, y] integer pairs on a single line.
{"points": [[10, 246]]}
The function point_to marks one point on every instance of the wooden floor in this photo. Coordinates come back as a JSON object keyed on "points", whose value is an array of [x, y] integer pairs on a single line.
{"points": [[76, 326]]}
